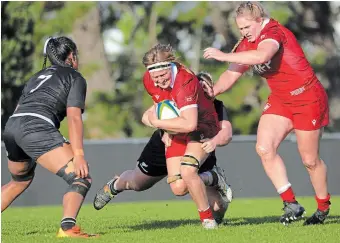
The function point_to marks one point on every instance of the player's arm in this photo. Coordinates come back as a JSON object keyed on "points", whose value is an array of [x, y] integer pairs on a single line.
{"points": [[145, 118], [264, 52], [185, 123], [75, 107], [224, 136], [229, 77]]}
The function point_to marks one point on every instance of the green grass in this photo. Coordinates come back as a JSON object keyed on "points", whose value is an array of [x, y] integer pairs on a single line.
{"points": [[248, 220]]}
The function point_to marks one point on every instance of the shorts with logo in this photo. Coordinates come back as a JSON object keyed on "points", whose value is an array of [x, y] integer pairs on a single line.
{"points": [[26, 138], [308, 110], [152, 161]]}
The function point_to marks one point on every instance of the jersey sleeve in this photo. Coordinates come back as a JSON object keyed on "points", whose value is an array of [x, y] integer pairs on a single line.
{"points": [[273, 35], [77, 94], [187, 95], [221, 110]]}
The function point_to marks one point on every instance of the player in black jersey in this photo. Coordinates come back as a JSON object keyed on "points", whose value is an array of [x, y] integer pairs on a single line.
{"points": [[31, 134], [151, 166]]}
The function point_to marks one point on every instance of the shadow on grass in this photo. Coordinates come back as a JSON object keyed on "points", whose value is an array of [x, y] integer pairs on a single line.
{"points": [[170, 224]]}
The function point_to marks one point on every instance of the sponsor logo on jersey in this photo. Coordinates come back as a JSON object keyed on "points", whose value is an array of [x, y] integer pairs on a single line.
{"points": [[297, 91], [266, 107], [157, 97], [261, 68], [314, 122]]}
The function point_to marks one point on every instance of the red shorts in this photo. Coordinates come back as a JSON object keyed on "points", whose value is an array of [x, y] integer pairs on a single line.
{"points": [[177, 148], [308, 111], [180, 141]]}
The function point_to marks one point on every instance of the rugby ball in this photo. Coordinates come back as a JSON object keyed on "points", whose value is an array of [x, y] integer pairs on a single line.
{"points": [[167, 109]]}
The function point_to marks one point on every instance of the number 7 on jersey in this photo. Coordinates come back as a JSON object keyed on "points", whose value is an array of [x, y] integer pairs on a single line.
{"points": [[44, 79]]}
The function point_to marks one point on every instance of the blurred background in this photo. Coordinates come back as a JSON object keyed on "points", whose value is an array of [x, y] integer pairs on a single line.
{"points": [[112, 38]]}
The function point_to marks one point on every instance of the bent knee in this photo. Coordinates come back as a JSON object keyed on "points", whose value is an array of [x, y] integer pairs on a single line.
{"points": [[179, 188], [265, 152], [311, 163]]}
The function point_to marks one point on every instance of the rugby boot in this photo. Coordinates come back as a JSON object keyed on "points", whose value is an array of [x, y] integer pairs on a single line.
{"points": [[317, 218], [293, 211], [209, 224], [74, 232], [104, 195], [222, 186]]}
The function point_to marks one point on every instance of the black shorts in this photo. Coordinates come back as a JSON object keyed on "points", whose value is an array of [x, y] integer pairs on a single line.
{"points": [[152, 161], [26, 138]]}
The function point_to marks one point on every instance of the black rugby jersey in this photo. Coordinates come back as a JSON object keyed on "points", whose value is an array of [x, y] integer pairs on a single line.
{"points": [[50, 91], [220, 110]]}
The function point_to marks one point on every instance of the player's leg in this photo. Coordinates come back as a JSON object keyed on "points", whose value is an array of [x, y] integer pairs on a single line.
{"points": [[308, 146], [273, 127], [44, 143], [136, 180], [20, 165], [217, 204], [214, 176], [308, 125], [190, 162], [150, 169], [59, 161], [22, 175]]}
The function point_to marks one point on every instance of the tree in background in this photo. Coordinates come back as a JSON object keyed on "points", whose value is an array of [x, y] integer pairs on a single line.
{"points": [[116, 95], [17, 25]]}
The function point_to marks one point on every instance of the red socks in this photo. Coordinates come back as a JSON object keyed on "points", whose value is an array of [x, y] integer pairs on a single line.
{"points": [[206, 214], [323, 204], [288, 195]]}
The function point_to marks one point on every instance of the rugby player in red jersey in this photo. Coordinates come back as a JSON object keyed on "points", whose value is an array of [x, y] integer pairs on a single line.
{"points": [[298, 102], [197, 121], [152, 168]]}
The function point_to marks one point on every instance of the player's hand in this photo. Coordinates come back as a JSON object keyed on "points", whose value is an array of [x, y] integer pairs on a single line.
{"points": [[213, 53], [208, 145], [81, 168], [167, 139]]}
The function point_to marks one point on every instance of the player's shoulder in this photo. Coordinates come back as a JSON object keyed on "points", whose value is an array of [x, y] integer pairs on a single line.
{"points": [[68, 71], [273, 27], [185, 76]]}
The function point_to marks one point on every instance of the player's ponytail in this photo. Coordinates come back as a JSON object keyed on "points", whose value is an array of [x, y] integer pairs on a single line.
{"points": [[58, 49]]}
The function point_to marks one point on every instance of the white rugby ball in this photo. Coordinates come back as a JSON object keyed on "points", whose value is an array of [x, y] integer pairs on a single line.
{"points": [[167, 109]]}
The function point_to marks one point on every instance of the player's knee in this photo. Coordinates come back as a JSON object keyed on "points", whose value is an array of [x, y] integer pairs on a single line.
{"points": [[79, 185], [310, 162], [189, 166], [265, 152], [25, 178], [179, 188]]}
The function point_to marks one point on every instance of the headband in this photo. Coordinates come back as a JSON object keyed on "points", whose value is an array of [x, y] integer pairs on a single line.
{"points": [[46, 42], [159, 66]]}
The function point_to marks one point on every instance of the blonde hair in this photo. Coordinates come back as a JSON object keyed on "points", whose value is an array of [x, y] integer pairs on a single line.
{"points": [[237, 44], [159, 53], [253, 9]]}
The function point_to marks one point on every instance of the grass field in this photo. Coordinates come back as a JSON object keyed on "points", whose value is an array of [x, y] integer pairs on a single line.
{"points": [[248, 220]]}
